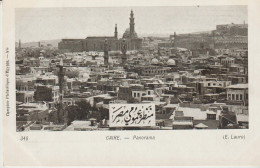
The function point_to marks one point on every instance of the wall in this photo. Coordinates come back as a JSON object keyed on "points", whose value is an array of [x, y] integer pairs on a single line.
{"points": [[97, 44]]}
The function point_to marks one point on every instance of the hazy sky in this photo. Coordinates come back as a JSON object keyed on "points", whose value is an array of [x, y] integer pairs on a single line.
{"points": [[57, 23]]}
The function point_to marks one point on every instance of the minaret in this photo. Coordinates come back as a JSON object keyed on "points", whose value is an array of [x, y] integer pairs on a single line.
{"points": [[39, 44], [105, 52], [61, 73], [132, 23], [174, 39], [124, 49], [116, 33], [213, 39], [20, 44]]}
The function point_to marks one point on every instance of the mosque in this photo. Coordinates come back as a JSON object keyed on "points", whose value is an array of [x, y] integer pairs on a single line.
{"points": [[96, 43], [169, 63]]}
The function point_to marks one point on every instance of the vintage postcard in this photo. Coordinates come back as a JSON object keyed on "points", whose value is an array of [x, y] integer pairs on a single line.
{"points": [[130, 83]]}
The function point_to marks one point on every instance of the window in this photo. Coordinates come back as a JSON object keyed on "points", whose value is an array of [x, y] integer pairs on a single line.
{"points": [[233, 97], [237, 97], [229, 96], [134, 94], [241, 97], [138, 94]]}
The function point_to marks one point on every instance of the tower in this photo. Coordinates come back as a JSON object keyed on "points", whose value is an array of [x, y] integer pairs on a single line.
{"points": [[132, 24], [213, 39], [116, 33], [175, 39], [20, 44], [106, 52], [60, 110], [123, 49]]}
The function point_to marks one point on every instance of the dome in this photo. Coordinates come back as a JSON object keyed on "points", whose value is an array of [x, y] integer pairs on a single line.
{"points": [[171, 62], [127, 30], [155, 61], [127, 34]]}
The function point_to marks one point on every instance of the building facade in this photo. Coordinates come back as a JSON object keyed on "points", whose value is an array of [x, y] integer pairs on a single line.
{"points": [[231, 36]]}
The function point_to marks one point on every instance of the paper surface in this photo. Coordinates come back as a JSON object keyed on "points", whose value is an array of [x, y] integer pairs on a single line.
{"points": [[98, 145]]}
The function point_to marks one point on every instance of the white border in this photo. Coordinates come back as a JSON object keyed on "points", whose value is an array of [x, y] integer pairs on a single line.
{"points": [[178, 148]]}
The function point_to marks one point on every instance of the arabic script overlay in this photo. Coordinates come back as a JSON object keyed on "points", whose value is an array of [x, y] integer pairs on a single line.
{"points": [[131, 115]]}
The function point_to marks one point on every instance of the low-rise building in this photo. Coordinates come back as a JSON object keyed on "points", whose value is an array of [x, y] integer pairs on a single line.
{"points": [[46, 93], [238, 93], [25, 96]]}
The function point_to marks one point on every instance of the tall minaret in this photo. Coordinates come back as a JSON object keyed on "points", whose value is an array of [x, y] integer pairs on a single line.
{"points": [[61, 73], [106, 52], [132, 23], [116, 33], [20, 44], [124, 49], [175, 39]]}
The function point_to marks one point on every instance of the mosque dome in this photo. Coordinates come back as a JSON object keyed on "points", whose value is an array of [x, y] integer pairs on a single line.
{"points": [[127, 30], [171, 62], [155, 61], [127, 34]]}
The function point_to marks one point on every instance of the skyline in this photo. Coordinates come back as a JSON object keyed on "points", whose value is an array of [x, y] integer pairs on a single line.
{"points": [[42, 24]]}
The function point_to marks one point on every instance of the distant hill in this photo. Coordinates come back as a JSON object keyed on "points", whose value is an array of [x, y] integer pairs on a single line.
{"points": [[54, 43], [201, 32], [154, 35]]}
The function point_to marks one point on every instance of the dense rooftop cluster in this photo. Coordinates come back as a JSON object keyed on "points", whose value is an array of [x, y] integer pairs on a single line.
{"points": [[190, 90]]}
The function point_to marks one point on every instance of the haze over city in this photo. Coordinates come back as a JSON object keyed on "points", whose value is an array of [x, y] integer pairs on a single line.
{"points": [[49, 23]]}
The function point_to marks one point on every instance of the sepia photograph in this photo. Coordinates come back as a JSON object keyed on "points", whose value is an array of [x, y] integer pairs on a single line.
{"points": [[131, 68], [130, 83]]}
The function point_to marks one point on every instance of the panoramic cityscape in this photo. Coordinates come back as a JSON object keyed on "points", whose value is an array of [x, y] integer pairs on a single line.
{"points": [[129, 81]]}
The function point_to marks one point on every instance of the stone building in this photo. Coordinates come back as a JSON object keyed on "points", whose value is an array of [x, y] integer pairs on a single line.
{"points": [[96, 43], [46, 93], [231, 36], [238, 93], [232, 29], [71, 45]]}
